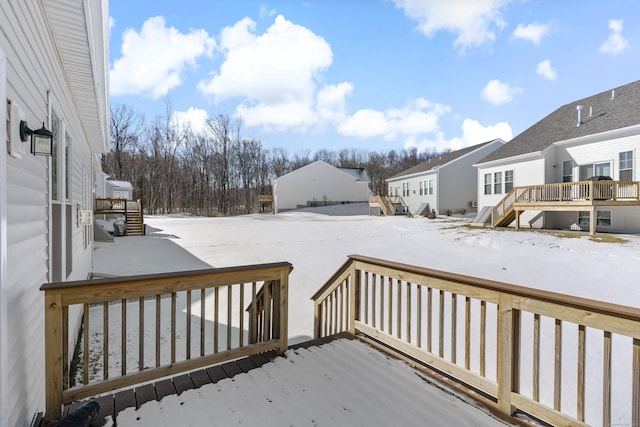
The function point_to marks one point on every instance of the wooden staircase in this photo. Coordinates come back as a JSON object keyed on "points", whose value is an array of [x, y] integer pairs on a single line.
{"points": [[134, 219], [385, 203]]}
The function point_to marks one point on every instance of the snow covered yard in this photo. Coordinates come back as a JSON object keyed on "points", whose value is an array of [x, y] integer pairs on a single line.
{"points": [[317, 244]]}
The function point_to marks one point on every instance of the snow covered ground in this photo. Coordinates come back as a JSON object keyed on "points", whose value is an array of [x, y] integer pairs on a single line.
{"points": [[318, 243]]}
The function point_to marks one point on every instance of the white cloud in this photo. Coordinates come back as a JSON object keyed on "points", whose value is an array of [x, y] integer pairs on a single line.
{"points": [[545, 69], [531, 32], [112, 22], [277, 75], [153, 60], [266, 11], [417, 118], [195, 118], [615, 43], [498, 93], [472, 133], [474, 22]]}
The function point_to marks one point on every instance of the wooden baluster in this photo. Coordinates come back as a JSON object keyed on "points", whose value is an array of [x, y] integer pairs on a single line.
{"points": [[581, 371], [123, 337], [229, 311], [483, 338], [536, 357], [366, 298], [635, 375], [173, 327], [557, 382], [419, 315], [373, 301], [85, 350], [141, 334], [266, 328], [454, 327], [65, 347], [203, 297], [216, 308], [390, 297], [408, 328], [105, 340], [441, 326], [188, 325], [467, 333], [241, 314], [606, 381], [429, 318], [399, 308], [158, 317]]}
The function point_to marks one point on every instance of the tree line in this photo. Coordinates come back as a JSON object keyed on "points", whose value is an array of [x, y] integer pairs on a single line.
{"points": [[219, 171]]}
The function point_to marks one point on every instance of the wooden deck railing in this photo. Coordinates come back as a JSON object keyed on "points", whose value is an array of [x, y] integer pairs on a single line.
{"points": [[566, 192], [561, 359], [110, 206], [137, 329], [386, 203]]}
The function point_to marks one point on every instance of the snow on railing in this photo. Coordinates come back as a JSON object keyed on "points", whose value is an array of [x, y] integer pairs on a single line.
{"points": [[561, 359], [140, 328]]}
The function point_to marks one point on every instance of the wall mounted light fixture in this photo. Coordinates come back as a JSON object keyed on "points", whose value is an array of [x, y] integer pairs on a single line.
{"points": [[41, 139]]}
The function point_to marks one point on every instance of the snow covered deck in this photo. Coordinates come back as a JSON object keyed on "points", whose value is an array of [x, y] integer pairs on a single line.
{"points": [[339, 382]]}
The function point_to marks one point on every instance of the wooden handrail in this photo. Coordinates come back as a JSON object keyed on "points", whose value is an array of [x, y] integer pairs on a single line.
{"points": [[420, 312], [589, 191], [161, 295]]}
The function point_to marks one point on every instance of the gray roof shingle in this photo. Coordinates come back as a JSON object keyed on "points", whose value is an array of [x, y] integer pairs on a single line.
{"points": [[435, 162], [607, 113]]}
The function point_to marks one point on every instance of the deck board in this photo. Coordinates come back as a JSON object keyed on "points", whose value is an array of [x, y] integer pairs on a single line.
{"points": [[200, 378], [182, 383], [144, 394]]}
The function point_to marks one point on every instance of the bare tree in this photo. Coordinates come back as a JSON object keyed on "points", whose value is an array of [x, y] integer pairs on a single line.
{"points": [[126, 126]]}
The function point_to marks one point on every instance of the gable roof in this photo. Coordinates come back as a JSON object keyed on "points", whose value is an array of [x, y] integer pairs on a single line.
{"points": [[358, 173], [610, 110], [436, 162]]}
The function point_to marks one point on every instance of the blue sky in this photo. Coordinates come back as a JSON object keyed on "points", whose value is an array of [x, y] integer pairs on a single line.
{"points": [[373, 75]]}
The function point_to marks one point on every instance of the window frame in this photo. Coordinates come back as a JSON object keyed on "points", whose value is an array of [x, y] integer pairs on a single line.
{"points": [[497, 182], [567, 164], [625, 165], [508, 183], [487, 184]]}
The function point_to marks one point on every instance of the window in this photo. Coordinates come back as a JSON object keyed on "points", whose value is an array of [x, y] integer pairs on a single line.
{"points": [[405, 189], [67, 162], [55, 129], [508, 181], [567, 171], [487, 183], [497, 183], [430, 186], [583, 218], [626, 166], [603, 218], [595, 169], [422, 188], [603, 169]]}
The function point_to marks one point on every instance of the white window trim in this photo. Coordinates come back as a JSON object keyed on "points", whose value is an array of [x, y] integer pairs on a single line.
{"points": [[3, 238]]}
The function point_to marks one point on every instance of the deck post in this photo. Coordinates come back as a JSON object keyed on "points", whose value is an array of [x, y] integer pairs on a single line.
{"points": [[53, 345], [284, 310], [354, 298], [517, 219], [505, 345], [592, 220]]}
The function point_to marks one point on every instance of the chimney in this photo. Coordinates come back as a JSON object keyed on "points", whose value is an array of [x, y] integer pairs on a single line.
{"points": [[579, 108]]}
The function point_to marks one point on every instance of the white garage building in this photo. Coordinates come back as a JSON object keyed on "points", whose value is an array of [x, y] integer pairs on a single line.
{"points": [[320, 184]]}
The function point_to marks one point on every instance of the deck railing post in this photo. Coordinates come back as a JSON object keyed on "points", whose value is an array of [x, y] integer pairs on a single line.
{"points": [[354, 298], [284, 309], [53, 344], [505, 346]]}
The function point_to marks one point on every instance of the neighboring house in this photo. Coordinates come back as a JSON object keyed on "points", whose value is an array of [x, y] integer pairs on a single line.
{"points": [[53, 74], [594, 136], [320, 184], [442, 183], [111, 189]]}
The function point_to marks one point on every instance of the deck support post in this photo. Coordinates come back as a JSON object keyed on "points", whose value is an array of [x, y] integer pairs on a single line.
{"points": [[592, 221], [53, 346], [517, 219]]}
